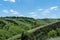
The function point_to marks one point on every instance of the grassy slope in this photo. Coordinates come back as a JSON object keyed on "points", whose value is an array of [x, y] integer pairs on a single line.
{"points": [[55, 38], [14, 26]]}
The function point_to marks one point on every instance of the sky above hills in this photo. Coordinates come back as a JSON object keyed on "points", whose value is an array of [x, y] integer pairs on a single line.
{"points": [[30, 8]]}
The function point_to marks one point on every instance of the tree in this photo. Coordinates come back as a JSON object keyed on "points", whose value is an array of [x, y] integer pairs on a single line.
{"points": [[52, 33], [58, 31]]}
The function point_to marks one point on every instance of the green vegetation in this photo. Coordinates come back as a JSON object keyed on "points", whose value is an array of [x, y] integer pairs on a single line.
{"points": [[55, 38], [52, 33], [13, 27]]}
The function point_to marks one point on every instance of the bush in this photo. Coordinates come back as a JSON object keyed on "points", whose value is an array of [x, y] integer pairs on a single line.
{"points": [[15, 30], [4, 34], [58, 31], [52, 33]]}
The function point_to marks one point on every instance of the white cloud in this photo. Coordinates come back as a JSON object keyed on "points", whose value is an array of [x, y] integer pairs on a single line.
{"points": [[48, 11], [13, 11], [21, 15], [10, 0], [40, 9], [32, 14], [10, 11], [53, 16], [5, 11], [44, 12], [54, 8], [5, 0]]}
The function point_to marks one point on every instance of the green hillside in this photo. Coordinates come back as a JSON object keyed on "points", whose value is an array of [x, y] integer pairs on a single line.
{"points": [[11, 26]]}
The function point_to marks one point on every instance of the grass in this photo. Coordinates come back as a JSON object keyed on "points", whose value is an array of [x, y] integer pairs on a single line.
{"points": [[55, 38]]}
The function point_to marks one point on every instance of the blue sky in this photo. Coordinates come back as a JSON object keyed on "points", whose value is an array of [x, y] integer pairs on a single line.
{"points": [[30, 8]]}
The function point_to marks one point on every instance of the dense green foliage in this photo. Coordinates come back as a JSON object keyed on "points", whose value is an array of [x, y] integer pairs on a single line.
{"points": [[52, 33], [11, 26]]}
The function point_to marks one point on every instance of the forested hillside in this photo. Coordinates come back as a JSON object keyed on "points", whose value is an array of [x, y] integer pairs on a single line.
{"points": [[11, 26]]}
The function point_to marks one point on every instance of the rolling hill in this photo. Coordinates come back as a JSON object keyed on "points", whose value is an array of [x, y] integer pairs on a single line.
{"points": [[11, 26]]}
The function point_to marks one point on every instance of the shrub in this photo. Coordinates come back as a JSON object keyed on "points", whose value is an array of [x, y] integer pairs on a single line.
{"points": [[4, 34], [52, 33], [58, 31]]}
